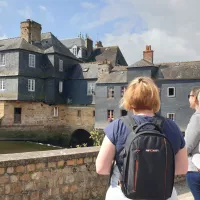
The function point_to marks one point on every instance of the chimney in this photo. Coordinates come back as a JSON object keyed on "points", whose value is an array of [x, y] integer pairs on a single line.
{"points": [[148, 54], [98, 44], [31, 31], [104, 68], [89, 45]]}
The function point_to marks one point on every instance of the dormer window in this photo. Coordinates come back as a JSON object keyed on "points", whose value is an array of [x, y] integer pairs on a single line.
{"points": [[2, 59], [74, 51]]}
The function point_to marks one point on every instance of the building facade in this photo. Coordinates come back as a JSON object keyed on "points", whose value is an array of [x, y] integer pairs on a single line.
{"points": [[175, 81], [43, 83]]}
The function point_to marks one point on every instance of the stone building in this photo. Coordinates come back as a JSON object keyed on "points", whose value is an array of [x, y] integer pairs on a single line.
{"points": [[43, 84], [84, 50], [174, 80]]}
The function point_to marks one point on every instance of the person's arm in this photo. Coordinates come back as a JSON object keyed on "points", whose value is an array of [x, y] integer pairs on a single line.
{"points": [[181, 162], [105, 157], [192, 133]]}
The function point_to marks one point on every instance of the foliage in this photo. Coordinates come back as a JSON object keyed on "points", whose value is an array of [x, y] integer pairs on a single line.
{"points": [[97, 137], [83, 145]]}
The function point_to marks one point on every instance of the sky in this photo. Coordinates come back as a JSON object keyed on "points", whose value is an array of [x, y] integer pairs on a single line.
{"points": [[171, 27]]}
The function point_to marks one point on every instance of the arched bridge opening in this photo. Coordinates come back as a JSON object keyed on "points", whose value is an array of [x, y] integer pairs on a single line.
{"points": [[81, 137]]}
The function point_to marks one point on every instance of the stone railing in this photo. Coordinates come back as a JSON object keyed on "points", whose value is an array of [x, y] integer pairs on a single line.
{"points": [[58, 174], [53, 175]]}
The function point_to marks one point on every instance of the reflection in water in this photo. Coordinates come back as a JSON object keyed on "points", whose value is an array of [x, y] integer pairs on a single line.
{"points": [[19, 147]]}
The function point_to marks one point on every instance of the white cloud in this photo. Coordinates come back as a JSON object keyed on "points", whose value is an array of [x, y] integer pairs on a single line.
{"points": [[3, 37], [88, 5], [3, 4], [26, 12], [49, 17], [171, 27], [43, 8]]}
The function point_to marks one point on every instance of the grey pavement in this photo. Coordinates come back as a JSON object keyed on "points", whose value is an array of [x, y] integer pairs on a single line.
{"points": [[183, 191]]}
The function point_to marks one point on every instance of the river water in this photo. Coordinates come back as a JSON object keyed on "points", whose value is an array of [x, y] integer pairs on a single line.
{"points": [[7, 147]]}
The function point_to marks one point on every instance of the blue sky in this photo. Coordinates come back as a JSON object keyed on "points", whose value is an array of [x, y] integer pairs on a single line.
{"points": [[171, 27], [64, 18]]}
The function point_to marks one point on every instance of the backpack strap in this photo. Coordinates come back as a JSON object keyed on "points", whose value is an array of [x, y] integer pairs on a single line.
{"points": [[131, 125], [159, 121], [129, 122]]}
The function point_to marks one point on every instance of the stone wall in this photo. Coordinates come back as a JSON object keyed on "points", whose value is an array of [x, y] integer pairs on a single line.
{"points": [[37, 114], [53, 175]]}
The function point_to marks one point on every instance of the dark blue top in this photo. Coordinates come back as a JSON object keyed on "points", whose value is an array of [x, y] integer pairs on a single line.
{"points": [[117, 133]]}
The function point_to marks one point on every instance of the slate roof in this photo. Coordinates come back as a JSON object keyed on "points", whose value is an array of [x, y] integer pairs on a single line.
{"points": [[18, 43], [103, 53], [179, 70], [141, 63], [114, 77], [69, 43], [165, 71], [49, 44], [84, 71]]}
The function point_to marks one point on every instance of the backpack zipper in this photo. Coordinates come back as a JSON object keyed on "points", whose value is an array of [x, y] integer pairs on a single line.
{"points": [[136, 170], [165, 169]]}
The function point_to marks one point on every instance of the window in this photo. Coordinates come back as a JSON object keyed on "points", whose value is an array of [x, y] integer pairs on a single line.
{"points": [[171, 116], [74, 51], [171, 91], [123, 89], [93, 113], [2, 84], [91, 88], [55, 112], [61, 65], [31, 60], [60, 86], [31, 85], [2, 59], [79, 113], [123, 112], [110, 92], [110, 114], [17, 115]]}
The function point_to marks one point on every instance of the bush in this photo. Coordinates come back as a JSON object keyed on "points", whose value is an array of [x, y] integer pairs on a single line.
{"points": [[97, 136]]}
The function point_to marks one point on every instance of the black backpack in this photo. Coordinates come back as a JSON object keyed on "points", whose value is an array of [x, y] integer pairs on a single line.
{"points": [[148, 161]]}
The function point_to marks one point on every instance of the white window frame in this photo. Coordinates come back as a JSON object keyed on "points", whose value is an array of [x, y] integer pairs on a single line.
{"points": [[110, 92], [31, 85], [123, 89], [110, 115], [2, 59], [32, 60], [74, 51], [90, 88], [173, 116], [2, 84], [60, 86], [60, 65], [55, 111], [174, 91]]}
